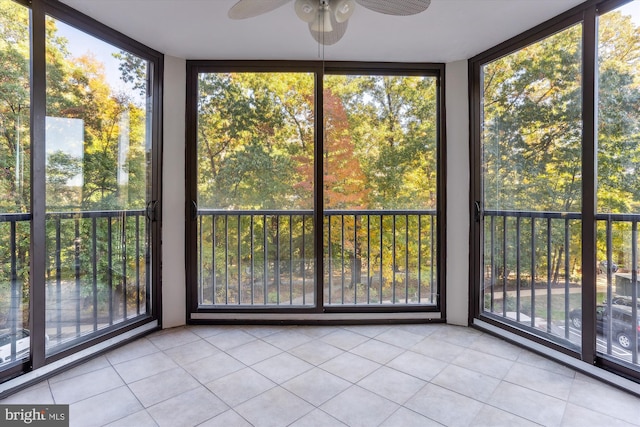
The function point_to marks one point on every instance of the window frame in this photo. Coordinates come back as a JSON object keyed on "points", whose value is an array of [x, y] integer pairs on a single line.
{"points": [[39, 10], [155, 59], [319, 69], [585, 14]]}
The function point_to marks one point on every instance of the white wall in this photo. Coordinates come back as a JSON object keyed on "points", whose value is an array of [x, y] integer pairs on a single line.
{"points": [[457, 130], [457, 111], [173, 201]]}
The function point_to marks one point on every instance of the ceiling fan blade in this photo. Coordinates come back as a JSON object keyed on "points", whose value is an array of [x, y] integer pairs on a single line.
{"points": [[249, 8], [396, 7], [328, 38]]}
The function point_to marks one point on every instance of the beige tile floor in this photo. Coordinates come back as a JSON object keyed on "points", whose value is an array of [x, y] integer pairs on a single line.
{"points": [[392, 375]]}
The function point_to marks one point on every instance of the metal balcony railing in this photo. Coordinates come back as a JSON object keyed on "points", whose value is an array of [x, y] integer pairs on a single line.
{"points": [[533, 275], [96, 273], [267, 258]]}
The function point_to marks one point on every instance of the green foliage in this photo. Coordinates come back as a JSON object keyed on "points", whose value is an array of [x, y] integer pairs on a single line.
{"points": [[255, 141], [134, 70], [254, 132], [113, 165], [532, 142], [533, 122], [14, 107], [255, 150], [532, 126], [392, 124]]}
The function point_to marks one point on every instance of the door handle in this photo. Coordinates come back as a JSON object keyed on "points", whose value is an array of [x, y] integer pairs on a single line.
{"points": [[152, 210], [477, 210], [194, 210]]}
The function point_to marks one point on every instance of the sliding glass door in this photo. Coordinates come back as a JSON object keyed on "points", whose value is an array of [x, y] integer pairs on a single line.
{"points": [[255, 183], [79, 127], [531, 181], [618, 185], [15, 189], [313, 188], [98, 185], [380, 190], [556, 160]]}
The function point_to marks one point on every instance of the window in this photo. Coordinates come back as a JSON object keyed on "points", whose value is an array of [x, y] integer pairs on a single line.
{"points": [[380, 189], [98, 184], [289, 215], [15, 148], [555, 149], [78, 230], [618, 195], [255, 189], [531, 162]]}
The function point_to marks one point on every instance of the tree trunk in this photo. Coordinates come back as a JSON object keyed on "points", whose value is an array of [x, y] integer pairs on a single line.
{"points": [[558, 263]]}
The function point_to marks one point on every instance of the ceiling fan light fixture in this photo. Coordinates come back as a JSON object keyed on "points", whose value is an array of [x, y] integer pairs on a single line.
{"points": [[322, 23], [306, 10], [343, 10]]}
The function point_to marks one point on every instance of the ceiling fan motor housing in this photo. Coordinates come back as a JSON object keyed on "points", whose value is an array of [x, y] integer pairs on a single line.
{"points": [[327, 19]]}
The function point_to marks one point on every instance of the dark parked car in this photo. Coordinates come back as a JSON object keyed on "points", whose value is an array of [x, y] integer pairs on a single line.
{"points": [[623, 300], [21, 338], [622, 326]]}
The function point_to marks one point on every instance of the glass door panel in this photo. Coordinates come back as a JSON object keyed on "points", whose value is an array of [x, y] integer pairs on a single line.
{"points": [[98, 183], [531, 183], [618, 192], [255, 189], [380, 190], [15, 216]]}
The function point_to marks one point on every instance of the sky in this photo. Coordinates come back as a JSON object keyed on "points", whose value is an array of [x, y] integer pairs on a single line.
{"points": [[632, 9], [65, 134], [80, 43]]}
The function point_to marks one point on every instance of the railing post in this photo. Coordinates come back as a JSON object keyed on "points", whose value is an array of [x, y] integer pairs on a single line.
{"points": [[137, 265], [567, 278], [504, 266], [609, 325], [252, 256], [493, 264], [94, 270], [291, 259], [420, 258], [110, 268], [549, 273], [406, 259], [15, 295], [58, 259], [635, 329], [239, 260], [77, 273], [518, 277], [226, 259], [533, 272]]}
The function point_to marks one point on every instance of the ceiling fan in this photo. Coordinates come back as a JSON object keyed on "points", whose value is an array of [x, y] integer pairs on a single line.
{"points": [[327, 19]]}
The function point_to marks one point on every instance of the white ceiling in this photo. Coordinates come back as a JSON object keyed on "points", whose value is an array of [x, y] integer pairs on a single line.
{"points": [[448, 30]]}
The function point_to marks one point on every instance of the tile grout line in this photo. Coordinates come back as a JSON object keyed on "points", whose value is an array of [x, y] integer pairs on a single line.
{"points": [[130, 391], [595, 409], [522, 361], [411, 410]]}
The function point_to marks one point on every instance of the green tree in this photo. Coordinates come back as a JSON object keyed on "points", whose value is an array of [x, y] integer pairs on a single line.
{"points": [[14, 108], [532, 135], [392, 121], [254, 130]]}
